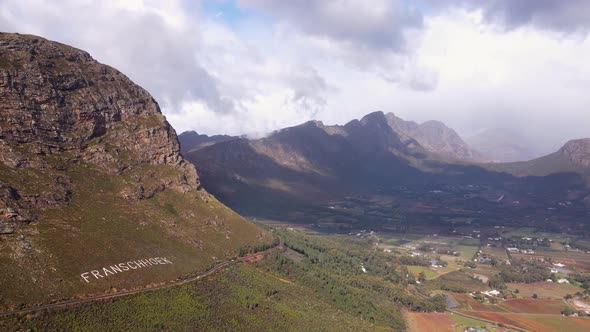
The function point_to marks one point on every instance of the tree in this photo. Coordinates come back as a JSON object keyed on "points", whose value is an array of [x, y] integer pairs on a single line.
{"points": [[494, 261], [568, 312], [535, 296], [470, 264], [480, 297], [422, 277], [496, 282]]}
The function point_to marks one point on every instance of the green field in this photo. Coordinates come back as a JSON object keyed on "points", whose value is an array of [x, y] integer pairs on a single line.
{"points": [[428, 272], [467, 322], [467, 252]]}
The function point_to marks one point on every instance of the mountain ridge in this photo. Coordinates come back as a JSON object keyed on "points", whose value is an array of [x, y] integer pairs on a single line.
{"points": [[310, 166], [191, 140]]}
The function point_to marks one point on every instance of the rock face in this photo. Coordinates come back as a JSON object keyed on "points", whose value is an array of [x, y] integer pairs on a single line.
{"points": [[90, 175], [578, 152], [56, 100], [435, 137]]}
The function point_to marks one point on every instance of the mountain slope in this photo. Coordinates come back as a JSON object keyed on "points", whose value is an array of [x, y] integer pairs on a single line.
{"points": [[90, 177], [365, 171], [573, 157], [435, 137]]}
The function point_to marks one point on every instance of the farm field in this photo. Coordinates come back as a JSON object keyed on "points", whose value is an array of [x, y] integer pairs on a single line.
{"points": [[470, 304], [537, 323], [463, 280], [544, 290], [498, 252], [524, 306], [467, 252], [444, 322], [430, 274], [534, 306], [419, 322]]}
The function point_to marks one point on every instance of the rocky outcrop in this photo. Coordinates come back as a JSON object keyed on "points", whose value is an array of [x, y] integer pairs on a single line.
{"points": [[12, 212], [577, 151], [59, 107]]}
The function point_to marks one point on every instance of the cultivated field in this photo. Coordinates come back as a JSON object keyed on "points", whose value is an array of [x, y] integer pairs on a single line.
{"points": [[498, 252], [419, 322], [544, 290], [533, 306], [537, 323]]}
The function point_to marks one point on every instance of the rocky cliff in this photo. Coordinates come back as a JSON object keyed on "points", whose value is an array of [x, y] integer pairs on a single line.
{"points": [[58, 101], [91, 174]]}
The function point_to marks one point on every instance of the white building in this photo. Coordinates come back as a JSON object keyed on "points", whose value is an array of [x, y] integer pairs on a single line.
{"points": [[491, 293]]}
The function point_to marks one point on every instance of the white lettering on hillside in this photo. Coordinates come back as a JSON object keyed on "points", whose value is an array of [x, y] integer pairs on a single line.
{"points": [[123, 267]]}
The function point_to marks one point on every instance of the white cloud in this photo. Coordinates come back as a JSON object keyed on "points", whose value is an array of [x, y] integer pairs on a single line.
{"points": [[253, 74]]}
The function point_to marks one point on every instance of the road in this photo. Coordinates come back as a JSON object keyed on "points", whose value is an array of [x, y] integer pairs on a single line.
{"points": [[64, 304]]}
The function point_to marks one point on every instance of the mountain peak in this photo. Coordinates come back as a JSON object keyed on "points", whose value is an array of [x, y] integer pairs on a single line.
{"points": [[434, 136]]}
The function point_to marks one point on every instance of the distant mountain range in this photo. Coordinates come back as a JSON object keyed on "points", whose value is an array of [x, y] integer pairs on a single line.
{"points": [[296, 172]]}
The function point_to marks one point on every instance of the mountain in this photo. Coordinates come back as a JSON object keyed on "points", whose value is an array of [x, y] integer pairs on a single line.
{"points": [[91, 177], [503, 145], [573, 157], [370, 172], [435, 137], [191, 140]]}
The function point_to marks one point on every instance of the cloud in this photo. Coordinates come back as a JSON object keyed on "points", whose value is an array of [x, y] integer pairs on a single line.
{"points": [[309, 91], [154, 43], [376, 24], [379, 36], [267, 64], [556, 15]]}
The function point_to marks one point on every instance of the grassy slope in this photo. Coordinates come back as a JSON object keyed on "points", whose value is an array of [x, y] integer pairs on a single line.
{"points": [[240, 298], [98, 228]]}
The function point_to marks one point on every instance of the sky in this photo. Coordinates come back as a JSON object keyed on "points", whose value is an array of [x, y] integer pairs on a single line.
{"points": [[253, 66]]}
